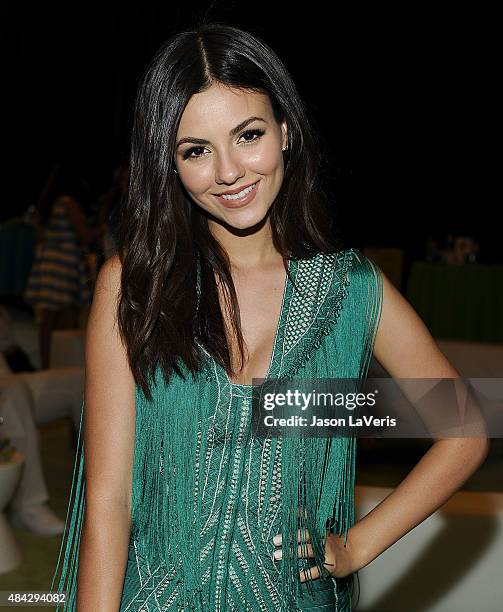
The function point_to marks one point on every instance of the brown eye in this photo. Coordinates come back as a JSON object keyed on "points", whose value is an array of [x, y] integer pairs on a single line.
{"points": [[188, 153], [258, 133], [252, 135]]}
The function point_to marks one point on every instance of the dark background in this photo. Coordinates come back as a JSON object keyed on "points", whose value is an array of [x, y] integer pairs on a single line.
{"points": [[404, 103]]}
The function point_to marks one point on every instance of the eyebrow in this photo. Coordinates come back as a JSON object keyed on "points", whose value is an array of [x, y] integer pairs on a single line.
{"points": [[233, 132]]}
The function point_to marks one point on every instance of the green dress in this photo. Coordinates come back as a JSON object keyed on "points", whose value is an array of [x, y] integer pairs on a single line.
{"points": [[208, 498]]}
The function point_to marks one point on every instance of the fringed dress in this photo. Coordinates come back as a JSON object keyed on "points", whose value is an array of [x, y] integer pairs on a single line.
{"points": [[209, 495]]}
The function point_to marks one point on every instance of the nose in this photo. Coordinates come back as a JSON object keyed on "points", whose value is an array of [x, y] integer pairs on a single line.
{"points": [[228, 169]]}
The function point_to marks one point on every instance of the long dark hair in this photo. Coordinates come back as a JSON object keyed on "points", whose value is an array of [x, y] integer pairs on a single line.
{"points": [[162, 232]]}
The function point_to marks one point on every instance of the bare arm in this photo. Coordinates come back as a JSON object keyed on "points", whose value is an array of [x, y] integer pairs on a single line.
{"points": [[86, 234], [406, 349], [109, 429]]}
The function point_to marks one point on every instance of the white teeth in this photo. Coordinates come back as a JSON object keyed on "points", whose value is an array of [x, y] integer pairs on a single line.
{"points": [[240, 195]]}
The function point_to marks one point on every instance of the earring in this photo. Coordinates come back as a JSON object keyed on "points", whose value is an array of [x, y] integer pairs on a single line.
{"points": [[175, 170]]}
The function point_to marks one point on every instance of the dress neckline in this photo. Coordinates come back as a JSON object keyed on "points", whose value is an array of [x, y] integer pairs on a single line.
{"points": [[279, 326]]}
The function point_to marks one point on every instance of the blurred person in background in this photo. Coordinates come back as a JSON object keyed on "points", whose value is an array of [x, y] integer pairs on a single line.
{"points": [[28, 508], [29, 398], [59, 283]]}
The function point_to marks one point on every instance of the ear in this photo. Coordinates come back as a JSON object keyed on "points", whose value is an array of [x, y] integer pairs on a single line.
{"points": [[284, 132]]}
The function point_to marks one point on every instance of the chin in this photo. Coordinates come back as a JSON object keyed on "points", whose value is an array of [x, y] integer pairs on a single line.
{"points": [[244, 219]]}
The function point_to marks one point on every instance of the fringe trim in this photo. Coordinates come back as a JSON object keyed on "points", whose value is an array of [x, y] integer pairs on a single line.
{"points": [[317, 470], [341, 292], [168, 468], [374, 308], [166, 487], [70, 541]]}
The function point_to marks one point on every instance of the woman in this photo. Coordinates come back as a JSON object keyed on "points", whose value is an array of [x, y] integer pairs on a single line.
{"points": [[227, 271], [59, 281]]}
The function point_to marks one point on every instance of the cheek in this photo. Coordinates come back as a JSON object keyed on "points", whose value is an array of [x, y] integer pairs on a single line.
{"points": [[196, 179], [265, 162]]}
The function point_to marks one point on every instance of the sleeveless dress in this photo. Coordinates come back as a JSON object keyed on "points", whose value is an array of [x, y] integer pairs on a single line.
{"points": [[59, 275], [209, 496]]}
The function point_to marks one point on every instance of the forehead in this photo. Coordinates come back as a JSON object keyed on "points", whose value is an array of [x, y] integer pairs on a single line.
{"points": [[221, 107]]}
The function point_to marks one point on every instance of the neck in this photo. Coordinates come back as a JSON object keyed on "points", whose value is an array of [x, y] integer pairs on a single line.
{"points": [[249, 248]]}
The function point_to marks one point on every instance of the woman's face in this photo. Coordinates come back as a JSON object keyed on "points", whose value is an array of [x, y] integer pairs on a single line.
{"points": [[228, 140]]}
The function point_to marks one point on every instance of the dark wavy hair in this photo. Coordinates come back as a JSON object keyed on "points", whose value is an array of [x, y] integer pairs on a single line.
{"points": [[162, 232]]}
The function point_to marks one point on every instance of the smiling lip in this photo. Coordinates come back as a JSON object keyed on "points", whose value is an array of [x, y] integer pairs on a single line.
{"points": [[234, 191], [244, 201]]}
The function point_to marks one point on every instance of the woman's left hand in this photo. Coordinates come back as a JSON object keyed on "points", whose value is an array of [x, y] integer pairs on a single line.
{"points": [[338, 558]]}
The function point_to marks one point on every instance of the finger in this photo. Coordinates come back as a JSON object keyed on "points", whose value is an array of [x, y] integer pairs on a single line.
{"points": [[278, 554], [309, 551], [311, 573], [307, 535], [278, 539], [314, 572]]}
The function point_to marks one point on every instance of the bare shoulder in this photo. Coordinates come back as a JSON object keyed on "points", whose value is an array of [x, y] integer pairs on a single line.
{"points": [[112, 268], [108, 284], [102, 329], [403, 345]]}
